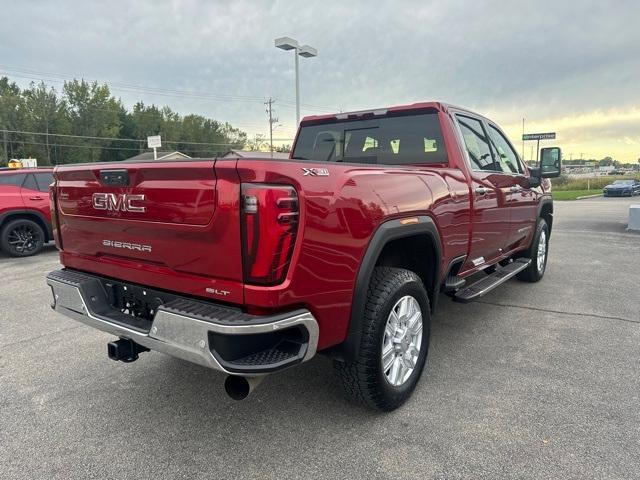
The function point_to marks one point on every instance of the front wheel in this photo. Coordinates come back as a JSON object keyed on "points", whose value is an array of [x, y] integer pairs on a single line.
{"points": [[538, 253], [394, 342]]}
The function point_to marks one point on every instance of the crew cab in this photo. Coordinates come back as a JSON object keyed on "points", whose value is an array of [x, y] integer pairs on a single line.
{"points": [[252, 265], [25, 213]]}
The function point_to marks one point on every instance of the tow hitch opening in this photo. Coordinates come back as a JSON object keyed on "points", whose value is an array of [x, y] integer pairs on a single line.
{"points": [[124, 350]]}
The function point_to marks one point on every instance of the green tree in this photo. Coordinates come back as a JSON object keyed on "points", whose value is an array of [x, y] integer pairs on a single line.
{"points": [[257, 143], [93, 112], [105, 129], [283, 148], [45, 112], [10, 119]]}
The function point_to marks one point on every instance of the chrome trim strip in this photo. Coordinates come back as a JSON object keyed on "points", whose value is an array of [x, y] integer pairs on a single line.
{"points": [[176, 335]]}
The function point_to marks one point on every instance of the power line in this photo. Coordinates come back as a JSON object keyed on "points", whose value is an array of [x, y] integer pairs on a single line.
{"points": [[129, 86], [88, 137], [23, 72], [77, 146], [108, 148]]}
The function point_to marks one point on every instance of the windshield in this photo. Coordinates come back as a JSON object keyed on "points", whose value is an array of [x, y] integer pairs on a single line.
{"points": [[408, 139], [623, 182]]}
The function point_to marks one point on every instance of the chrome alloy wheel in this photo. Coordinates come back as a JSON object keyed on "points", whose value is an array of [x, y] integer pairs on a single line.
{"points": [[542, 251], [402, 340]]}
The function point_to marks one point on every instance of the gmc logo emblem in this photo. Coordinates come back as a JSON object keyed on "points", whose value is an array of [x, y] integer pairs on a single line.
{"points": [[118, 202]]}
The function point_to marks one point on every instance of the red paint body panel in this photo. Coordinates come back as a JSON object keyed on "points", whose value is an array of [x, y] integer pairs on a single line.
{"points": [[191, 250], [193, 224], [16, 199]]}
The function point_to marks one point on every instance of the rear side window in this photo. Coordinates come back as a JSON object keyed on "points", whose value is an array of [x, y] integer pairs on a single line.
{"points": [[476, 142], [44, 180], [13, 179], [402, 140], [30, 183]]}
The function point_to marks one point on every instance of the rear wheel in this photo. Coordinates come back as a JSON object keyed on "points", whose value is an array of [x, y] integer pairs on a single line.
{"points": [[394, 342], [22, 238], [538, 253]]}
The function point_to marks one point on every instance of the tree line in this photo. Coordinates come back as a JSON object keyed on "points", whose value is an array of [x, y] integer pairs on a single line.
{"points": [[86, 123]]}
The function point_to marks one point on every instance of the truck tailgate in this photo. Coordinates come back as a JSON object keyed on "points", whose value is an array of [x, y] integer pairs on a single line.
{"points": [[170, 219]]}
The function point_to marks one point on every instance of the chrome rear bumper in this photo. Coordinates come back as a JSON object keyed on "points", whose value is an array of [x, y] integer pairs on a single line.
{"points": [[189, 329]]}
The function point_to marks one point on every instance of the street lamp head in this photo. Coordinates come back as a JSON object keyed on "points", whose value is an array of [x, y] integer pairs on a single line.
{"points": [[307, 51], [286, 43]]}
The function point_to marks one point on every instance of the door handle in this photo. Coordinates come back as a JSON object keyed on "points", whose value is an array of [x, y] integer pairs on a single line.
{"points": [[515, 189], [35, 197], [482, 190]]}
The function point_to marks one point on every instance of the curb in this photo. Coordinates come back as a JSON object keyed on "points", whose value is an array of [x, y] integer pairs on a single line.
{"points": [[589, 196]]}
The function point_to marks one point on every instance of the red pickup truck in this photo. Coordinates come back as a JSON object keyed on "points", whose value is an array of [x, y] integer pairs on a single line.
{"points": [[250, 266]]}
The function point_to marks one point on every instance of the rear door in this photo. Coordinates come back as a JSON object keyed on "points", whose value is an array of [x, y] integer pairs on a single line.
{"points": [[520, 198], [35, 192], [490, 215]]}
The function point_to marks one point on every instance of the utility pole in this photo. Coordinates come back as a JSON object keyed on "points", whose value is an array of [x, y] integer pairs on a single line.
{"points": [[523, 139], [269, 103], [6, 149]]}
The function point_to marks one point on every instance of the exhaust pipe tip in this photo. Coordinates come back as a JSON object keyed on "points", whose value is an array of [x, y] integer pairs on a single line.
{"points": [[239, 388]]}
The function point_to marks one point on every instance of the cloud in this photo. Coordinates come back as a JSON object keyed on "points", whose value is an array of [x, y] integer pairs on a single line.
{"points": [[544, 60]]}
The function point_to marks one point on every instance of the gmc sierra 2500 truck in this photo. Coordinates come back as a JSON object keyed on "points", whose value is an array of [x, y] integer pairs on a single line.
{"points": [[251, 266]]}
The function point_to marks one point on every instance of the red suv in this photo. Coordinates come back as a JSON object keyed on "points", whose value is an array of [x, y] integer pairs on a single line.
{"points": [[25, 215]]}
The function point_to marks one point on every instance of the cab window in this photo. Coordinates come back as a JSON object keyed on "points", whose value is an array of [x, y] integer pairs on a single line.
{"points": [[14, 179], [393, 140], [44, 180]]}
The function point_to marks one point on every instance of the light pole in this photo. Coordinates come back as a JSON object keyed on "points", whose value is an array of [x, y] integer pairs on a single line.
{"points": [[306, 51]]}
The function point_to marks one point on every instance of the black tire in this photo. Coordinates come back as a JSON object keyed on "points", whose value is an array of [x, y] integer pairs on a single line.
{"points": [[533, 273], [364, 380], [22, 238]]}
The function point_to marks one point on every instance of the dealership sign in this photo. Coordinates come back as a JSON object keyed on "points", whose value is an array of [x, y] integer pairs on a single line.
{"points": [[539, 136]]}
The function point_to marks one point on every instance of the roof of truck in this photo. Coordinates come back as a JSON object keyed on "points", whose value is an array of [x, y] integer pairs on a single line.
{"points": [[441, 106]]}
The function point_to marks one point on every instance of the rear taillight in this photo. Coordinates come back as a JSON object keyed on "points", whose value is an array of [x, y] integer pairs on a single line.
{"points": [[269, 228], [55, 223]]}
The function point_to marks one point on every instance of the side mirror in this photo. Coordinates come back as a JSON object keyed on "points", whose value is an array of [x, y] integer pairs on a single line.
{"points": [[550, 162], [534, 180]]}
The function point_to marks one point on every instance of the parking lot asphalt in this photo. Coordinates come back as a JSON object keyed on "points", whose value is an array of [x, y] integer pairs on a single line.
{"points": [[535, 380]]}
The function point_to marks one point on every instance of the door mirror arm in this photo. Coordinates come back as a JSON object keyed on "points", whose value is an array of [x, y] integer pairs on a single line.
{"points": [[534, 178]]}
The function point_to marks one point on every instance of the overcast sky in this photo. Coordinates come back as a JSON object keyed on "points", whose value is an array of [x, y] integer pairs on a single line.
{"points": [[568, 66]]}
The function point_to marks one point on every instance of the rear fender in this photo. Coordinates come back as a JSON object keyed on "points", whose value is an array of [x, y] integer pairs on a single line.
{"points": [[386, 232], [34, 215]]}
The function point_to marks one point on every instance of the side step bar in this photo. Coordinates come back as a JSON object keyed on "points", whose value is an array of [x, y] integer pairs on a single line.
{"points": [[485, 285]]}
